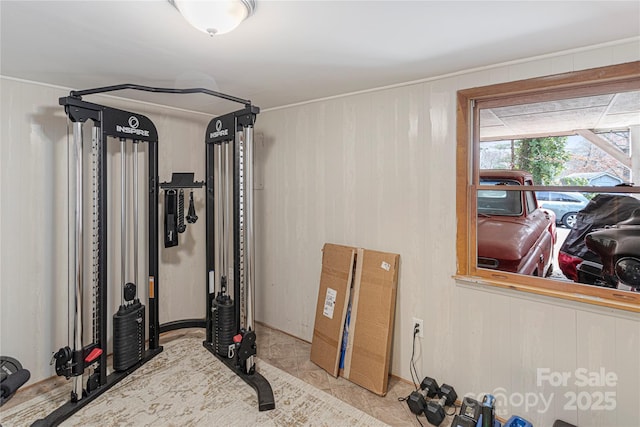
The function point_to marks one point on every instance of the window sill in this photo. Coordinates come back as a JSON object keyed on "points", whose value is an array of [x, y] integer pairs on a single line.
{"points": [[603, 297]]}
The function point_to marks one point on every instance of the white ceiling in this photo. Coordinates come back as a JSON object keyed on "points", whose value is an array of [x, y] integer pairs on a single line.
{"points": [[290, 51]]}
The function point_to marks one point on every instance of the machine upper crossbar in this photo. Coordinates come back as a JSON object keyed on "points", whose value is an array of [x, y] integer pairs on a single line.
{"points": [[80, 93]]}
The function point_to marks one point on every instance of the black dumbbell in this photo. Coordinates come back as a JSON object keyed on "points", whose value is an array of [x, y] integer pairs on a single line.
{"points": [[435, 408], [417, 400]]}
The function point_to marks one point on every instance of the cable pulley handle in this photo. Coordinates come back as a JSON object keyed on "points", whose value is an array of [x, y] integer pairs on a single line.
{"points": [[191, 216]]}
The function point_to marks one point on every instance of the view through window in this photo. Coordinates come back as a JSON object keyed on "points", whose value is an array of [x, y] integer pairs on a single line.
{"points": [[549, 195]]}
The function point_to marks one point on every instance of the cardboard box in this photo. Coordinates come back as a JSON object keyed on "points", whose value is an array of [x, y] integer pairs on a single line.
{"points": [[331, 308], [368, 351]]}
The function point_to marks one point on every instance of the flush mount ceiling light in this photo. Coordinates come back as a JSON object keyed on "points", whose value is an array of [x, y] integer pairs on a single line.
{"points": [[215, 16]]}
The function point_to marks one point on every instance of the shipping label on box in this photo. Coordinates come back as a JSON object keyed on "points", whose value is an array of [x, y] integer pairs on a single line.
{"points": [[329, 303]]}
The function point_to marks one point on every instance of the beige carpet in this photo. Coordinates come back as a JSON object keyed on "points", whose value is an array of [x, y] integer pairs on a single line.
{"points": [[185, 385]]}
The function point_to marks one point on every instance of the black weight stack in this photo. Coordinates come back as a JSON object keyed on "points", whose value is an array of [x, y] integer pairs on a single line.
{"points": [[224, 325], [128, 336]]}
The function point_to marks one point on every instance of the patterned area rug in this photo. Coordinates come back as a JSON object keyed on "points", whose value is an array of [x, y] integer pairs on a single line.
{"points": [[185, 385]]}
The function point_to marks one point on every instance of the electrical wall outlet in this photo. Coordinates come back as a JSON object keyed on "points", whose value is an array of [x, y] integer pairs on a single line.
{"points": [[420, 324]]}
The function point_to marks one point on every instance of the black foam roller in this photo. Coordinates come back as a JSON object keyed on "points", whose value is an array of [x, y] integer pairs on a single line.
{"points": [[13, 382]]}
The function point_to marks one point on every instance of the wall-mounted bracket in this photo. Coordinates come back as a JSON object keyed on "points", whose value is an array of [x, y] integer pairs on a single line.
{"points": [[182, 180]]}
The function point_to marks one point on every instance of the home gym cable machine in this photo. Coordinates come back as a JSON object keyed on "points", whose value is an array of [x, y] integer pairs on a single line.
{"points": [[230, 254], [229, 322], [128, 323]]}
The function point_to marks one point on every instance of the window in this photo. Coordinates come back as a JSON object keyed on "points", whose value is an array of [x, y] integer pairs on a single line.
{"points": [[539, 199]]}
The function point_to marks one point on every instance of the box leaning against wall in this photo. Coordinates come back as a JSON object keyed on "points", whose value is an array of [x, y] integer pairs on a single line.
{"points": [[364, 283]]}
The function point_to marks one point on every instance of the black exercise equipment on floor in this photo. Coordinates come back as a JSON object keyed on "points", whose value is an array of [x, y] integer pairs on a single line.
{"points": [[229, 322], [12, 377]]}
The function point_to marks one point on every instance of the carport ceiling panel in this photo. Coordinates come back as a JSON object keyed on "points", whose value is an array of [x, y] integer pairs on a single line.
{"points": [[601, 112], [555, 121]]}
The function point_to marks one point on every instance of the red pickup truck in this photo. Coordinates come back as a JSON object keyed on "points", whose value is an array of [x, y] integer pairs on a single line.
{"points": [[514, 233]]}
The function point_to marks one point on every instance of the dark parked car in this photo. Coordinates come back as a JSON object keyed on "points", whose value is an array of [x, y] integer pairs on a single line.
{"points": [[564, 205], [619, 249], [603, 248], [514, 233]]}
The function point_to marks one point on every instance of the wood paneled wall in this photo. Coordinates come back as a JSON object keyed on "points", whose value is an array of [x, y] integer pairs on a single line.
{"points": [[377, 170]]}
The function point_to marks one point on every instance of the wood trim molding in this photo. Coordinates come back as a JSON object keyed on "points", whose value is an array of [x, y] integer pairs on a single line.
{"points": [[577, 83]]}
